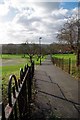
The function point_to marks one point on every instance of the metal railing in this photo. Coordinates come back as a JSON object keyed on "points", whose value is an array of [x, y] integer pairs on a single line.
{"points": [[67, 65], [19, 95]]}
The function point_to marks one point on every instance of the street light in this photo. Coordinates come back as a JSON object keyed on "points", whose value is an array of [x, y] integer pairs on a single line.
{"points": [[40, 48]]}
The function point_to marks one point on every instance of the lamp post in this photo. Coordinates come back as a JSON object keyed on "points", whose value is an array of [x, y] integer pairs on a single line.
{"points": [[40, 48]]}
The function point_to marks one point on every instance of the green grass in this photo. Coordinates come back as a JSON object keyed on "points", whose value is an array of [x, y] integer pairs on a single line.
{"points": [[73, 68], [65, 56], [16, 67], [11, 56], [12, 69]]}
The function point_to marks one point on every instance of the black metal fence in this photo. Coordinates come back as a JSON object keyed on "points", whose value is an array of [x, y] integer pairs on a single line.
{"points": [[67, 65], [19, 95]]}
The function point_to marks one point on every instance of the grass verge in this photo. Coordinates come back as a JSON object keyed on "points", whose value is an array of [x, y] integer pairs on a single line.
{"points": [[63, 61]]}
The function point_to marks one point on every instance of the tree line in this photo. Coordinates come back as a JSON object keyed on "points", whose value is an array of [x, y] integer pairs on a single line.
{"points": [[35, 48]]}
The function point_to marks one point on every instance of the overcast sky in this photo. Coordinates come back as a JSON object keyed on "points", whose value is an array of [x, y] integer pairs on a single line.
{"points": [[24, 20]]}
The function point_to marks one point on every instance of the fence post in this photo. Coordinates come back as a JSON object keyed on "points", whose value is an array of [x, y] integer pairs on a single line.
{"points": [[25, 69], [32, 69], [3, 112], [29, 85], [56, 61], [21, 74], [14, 94], [53, 60], [59, 62], [69, 66], [62, 63]]}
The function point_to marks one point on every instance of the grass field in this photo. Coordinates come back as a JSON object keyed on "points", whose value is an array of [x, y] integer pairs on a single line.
{"points": [[11, 64], [10, 56], [65, 56], [74, 70]]}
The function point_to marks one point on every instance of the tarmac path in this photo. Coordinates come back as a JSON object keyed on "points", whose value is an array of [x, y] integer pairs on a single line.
{"points": [[57, 91]]}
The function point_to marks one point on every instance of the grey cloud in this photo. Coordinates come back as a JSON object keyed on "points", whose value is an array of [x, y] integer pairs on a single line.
{"points": [[25, 21], [49, 5]]}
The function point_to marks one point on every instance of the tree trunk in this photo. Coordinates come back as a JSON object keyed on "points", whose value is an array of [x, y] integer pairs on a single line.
{"points": [[30, 58], [78, 58]]}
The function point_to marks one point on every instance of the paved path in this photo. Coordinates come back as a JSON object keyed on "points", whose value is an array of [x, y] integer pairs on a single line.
{"points": [[15, 61], [57, 91]]}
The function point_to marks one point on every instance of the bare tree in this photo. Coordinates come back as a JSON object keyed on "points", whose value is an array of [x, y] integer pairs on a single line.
{"points": [[70, 33], [32, 49]]}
